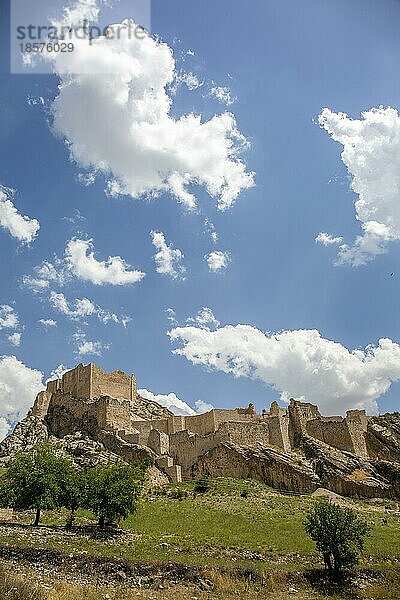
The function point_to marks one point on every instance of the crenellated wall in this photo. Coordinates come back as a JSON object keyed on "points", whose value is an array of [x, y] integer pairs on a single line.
{"points": [[90, 399]]}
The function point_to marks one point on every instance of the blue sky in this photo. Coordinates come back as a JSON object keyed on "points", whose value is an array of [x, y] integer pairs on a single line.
{"points": [[283, 61]]}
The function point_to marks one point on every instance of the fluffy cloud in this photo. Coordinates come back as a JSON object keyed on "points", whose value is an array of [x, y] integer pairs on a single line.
{"points": [[83, 307], [191, 81], [46, 323], [77, 13], [202, 407], [222, 94], [204, 319], [19, 226], [8, 317], [168, 260], [371, 153], [209, 228], [45, 274], [18, 388], [328, 240], [85, 347], [80, 259], [218, 260], [15, 339], [299, 364], [174, 404], [57, 373], [171, 316], [131, 138]]}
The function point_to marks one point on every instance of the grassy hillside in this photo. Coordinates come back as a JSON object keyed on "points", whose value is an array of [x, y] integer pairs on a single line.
{"points": [[236, 525]]}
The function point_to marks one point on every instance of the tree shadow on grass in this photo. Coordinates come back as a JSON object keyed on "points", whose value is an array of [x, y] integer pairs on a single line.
{"points": [[93, 531], [346, 586]]}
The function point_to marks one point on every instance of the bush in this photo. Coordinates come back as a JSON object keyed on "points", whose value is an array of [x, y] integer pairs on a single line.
{"points": [[37, 479], [111, 492], [202, 486], [178, 494], [339, 534]]}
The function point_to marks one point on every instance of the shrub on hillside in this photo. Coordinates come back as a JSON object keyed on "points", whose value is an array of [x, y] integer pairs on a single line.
{"points": [[36, 479], [112, 492], [339, 534], [202, 486]]}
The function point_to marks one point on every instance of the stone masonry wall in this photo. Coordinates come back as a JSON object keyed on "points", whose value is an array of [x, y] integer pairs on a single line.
{"points": [[67, 415], [115, 384]]}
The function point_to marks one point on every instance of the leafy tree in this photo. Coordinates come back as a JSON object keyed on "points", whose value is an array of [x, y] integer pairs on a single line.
{"points": [[339, 533], [112, 492], [36, 479], [73, 495]]}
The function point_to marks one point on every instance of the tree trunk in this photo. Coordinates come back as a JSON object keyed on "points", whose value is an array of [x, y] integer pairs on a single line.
{"points": [[102, 521], [328, 564], [37, 517], [336, 569]]}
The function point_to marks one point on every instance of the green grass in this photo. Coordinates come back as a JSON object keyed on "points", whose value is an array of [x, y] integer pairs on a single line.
{"points": [[218, 528]]}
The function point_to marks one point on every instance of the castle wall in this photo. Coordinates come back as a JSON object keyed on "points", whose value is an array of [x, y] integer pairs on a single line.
{"points": [[357, 422], [115, 384], [186, 447], [299, 414], [41, 404], [334, 433], [159, 442], [345, 434], [112, 413], [278, 427], [77, 381], [92, 382], [66, 414]]}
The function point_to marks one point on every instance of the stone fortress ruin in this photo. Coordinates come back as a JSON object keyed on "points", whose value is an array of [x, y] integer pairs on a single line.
{"points": [[293, 448]]}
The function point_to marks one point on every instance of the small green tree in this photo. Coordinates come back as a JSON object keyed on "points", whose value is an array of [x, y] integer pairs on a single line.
{"points": [[72, 497], [36, 479], [112, 492], [339, 534]]}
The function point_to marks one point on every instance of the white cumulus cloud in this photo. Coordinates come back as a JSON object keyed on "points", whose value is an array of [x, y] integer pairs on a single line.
{"points": [[47, 323], [15, 339], [223, 94], [328, 240], [218, 260], [88, 347], [371, 153], [83, 307], [204, 319], [299, 364], [8, 317], [79, 255], [168, 259], [18, 388], [174, 404], [113, 110], [19, 226]]}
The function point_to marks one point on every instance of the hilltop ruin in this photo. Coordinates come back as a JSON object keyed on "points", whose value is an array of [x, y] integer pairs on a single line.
{"points": [[294, 448]]}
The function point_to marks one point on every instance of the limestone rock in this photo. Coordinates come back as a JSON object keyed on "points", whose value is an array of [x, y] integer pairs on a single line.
{"points": [[27, 433], [345, 473], [84, 451], [282, 471]]}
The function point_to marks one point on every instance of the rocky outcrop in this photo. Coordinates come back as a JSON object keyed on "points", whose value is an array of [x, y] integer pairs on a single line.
{"points": [[383, 437], [147, 409], [27, 433], [285, 472], [345, 473]]}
